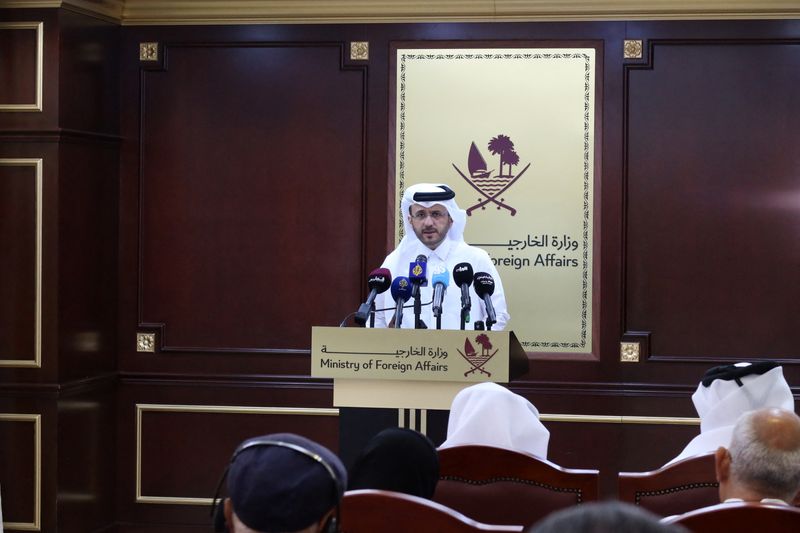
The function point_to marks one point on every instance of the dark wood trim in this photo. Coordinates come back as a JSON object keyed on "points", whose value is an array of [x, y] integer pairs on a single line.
{"points": [[241, 380], [57, 135]]}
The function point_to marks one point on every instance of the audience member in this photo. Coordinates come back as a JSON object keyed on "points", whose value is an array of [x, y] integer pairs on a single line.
{"points": [[397, 459], [763, 461], [728, 391], [282, 483], [606, 517], [488, 414]]}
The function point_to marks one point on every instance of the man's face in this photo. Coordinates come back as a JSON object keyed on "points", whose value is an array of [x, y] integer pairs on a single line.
{"points": [[430, 225]]}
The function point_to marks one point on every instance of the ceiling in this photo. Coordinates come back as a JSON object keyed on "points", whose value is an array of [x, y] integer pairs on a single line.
{"points": [[145, 12]]}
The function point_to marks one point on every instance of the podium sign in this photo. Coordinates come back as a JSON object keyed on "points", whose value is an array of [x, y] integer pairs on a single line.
{"points": [[411, 355]]}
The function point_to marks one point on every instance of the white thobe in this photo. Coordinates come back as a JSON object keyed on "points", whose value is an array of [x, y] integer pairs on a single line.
{"points": [[448, 254]]}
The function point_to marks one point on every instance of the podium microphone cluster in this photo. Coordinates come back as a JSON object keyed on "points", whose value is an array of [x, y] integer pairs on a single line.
{"points": [[378, 281], [484, 288], [462, 275]]}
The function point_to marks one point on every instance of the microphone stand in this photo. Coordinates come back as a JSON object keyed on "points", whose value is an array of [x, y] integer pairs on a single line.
{"points": [[464, 313], [372, 315], [418, 322], [398, 313]]}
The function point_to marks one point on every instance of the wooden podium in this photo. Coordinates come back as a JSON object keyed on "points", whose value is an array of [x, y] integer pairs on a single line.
{"points": [[406, 377]]}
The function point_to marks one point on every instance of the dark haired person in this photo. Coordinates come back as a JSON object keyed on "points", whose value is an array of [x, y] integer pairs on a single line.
{"points": [[605, 517], [397, 459], [283, 483]]}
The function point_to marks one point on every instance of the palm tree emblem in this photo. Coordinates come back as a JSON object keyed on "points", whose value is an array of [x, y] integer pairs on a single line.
{"points": [[481, 179], [504, 146]]}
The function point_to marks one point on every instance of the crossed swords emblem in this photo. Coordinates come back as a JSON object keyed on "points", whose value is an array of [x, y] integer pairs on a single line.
{"points": [[493, 197]]}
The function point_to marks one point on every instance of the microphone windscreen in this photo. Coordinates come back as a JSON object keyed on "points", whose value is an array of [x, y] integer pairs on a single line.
{"points": [[379, 280], [484, 284], [401, 288], [417, 271], [462, 274], [441, 277]]}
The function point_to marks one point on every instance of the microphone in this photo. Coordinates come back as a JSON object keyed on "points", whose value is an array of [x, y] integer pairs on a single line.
{"points": [[401, 292], [484, 288], [440, 282], [462, 275], [416, 274], [378, 282]]}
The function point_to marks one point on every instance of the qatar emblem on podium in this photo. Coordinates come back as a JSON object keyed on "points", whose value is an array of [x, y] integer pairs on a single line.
{"points": [[475, 359], [489, 185]]}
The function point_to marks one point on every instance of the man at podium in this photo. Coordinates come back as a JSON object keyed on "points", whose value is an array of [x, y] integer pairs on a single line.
{"points": [[434, 234]]}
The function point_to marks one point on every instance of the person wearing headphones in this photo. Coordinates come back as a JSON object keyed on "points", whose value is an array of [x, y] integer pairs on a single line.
{"points": [[282, 483]]}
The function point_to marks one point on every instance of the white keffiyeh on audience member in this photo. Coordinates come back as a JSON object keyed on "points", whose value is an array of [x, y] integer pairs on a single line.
{"points": [[726, 393], [488, 414]]}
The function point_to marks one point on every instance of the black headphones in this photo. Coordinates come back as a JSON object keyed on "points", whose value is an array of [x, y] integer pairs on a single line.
{"points": [[217, 504]]}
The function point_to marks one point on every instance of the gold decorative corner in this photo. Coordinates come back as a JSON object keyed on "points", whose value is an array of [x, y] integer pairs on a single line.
{"points": [[148, 51], [632, 49], [629, 352], [359, 51], [145, 342]]}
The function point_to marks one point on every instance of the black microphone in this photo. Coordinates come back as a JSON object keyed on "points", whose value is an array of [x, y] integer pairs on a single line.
{"points": [[484, 288], [416, 274], [378, 281], [401, 292], [462, 275]]}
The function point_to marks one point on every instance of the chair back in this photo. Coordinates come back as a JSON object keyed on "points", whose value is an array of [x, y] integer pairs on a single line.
{"points": [[740, 517], [368, 511], [499, 486], [675, 489]]}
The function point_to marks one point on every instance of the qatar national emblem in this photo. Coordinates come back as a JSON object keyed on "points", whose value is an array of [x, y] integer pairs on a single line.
{"points": [[491, 185], [475, 359]]}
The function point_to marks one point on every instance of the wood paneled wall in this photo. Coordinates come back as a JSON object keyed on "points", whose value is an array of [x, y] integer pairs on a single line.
{"points": [[232, 193], [59, 177]]}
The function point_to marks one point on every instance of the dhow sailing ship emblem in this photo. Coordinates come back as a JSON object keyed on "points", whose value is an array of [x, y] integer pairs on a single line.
{"points": [[488, 184]]}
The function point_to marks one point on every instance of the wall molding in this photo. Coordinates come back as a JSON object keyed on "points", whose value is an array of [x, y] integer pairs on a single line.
{"points": [[154, 12], [36, 105], [11, 360], [142, 408], [36, 522]]}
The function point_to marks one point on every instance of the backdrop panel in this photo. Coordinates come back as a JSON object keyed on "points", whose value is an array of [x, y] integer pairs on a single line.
{"points": [[251, 194], [712, 249], [512, 131]]}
